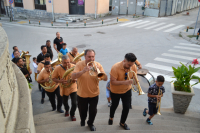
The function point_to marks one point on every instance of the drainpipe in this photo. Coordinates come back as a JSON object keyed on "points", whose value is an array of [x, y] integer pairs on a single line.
{"points": [[95, 9], [53, 12]]}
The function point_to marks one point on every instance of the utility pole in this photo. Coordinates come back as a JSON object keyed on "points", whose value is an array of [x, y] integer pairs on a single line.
{"points": [[95, 9], [196, 21], [11, 17], [52, 11]]}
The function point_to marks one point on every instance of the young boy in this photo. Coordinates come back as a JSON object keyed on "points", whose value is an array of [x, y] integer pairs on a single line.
{"points": [[63, 50], [35, 67], [108, 93], [153, 96]]}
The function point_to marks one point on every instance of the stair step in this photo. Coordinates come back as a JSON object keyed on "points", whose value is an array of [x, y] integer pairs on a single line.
{"points": [[113, 128]]}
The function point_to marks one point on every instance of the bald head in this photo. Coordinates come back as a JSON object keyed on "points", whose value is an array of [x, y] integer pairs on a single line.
{"points": [[74, 51]]}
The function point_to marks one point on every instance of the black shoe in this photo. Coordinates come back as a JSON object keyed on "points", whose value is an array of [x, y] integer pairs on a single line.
{"points": [[54, 109], [42, 101], [60, 110], [130, 107], [92, 127], [125, 126], [82, 123], [110, 122]]}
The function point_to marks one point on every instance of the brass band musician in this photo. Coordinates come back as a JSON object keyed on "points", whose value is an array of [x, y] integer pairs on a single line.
{"points": [[74, 53]]}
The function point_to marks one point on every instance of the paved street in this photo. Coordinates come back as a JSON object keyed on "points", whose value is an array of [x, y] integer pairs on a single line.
{"points": [[155, 42]]}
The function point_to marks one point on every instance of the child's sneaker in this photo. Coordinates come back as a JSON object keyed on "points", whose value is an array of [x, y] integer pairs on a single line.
{"points": [[149, 122], [144, 112], [109, 104]]}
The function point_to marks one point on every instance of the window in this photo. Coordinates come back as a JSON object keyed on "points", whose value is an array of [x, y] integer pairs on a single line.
{"points": [[18, 3], [40, 4]]}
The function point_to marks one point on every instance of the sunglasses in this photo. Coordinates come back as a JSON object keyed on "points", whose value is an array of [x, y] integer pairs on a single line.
{"points": [[125, 76]]}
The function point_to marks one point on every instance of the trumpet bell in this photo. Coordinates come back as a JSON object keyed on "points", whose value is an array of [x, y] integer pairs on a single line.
{"points": [[94, 71]]}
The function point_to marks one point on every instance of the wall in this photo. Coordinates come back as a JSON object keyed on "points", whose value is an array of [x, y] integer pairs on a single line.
{"points": [[29, 4], [61, 6], [103, 6], [15, 100], [90, 6]]}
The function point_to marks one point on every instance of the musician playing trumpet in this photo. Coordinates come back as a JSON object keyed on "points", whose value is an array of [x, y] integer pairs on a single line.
{"points": [[88, 87], [154, 98], [44, 77], [120, 87], [68, 87]]}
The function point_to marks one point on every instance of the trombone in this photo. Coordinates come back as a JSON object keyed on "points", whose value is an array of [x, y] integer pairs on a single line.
{"points": [[139, 89], [158, 104]]}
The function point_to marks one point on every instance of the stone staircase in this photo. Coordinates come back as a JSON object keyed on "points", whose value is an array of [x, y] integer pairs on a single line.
{"points": [[168, 122], [73, 18]]}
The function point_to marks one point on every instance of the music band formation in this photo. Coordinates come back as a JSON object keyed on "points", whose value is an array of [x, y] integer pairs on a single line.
{"points": [[69, 76]]}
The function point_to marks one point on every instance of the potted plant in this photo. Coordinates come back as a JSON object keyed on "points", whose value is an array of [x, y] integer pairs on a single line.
{"points": [[181, 87]]}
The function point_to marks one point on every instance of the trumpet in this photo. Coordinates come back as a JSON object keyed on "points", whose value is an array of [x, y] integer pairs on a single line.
{"points": [[139, 89], [69, 78], [78, 57], [158, 104], [94, 71], [49, 84]]}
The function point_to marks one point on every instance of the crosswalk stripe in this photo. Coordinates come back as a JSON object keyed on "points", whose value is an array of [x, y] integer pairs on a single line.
{"points": [[184, 52], [188, 48], [161, 67], [153, 26], [138, 24], [179, 56], [174, 28], [169, 25], [172, 61], [187, 44], [169, 79], [130, 23], [146, 25]]}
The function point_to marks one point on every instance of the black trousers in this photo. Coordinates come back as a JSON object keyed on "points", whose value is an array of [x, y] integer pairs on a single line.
{"points": [[73, 103], [126, 98], [51, 96], [42, 90], [83, 108]]}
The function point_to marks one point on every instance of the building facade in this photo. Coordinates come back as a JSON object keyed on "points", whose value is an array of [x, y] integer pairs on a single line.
{"points": [[43, 9]]}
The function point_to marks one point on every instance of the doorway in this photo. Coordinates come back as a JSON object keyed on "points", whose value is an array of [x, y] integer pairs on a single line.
{"points": [[77, 7], [2, 7]]}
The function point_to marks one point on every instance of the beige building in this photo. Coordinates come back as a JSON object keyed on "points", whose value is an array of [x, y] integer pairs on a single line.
{"points": [[61, 8]]}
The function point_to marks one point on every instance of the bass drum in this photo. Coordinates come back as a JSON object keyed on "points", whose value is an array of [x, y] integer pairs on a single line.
{"points": [[146, 79]]}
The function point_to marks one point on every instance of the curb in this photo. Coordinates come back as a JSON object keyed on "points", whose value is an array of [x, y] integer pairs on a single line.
{"points": [[76, 27], [185, 36]]}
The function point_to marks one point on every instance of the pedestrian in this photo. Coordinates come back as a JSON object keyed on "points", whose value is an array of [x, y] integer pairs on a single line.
{"points": [[16, 55], [27, 74], [49, 50], [66, 89], [35, 67], [154, 97], [120, 87], [39, 69], [108, 93], [88, 88], [57, 43], [15, 48], [64, 50], [42, 79], [40, 57]]}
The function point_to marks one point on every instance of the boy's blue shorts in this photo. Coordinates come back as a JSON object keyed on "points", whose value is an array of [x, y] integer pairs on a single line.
{"points": [[107, 93], [152, 109]]}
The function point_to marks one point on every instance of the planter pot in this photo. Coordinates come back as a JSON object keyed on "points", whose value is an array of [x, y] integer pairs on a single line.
{"points": [[181, 99]]}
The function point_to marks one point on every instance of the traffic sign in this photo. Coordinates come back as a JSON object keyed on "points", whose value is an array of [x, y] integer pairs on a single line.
{"points": [[10, 1], [49, 1], [199, 0]]}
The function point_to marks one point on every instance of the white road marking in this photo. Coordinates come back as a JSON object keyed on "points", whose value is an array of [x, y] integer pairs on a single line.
{"points": [[184, 52], [190, 45], [179, 56], [146, 25], [154, 26], [174, 28], [188, 48], [166, 26], [138, 24], [130, 23]]}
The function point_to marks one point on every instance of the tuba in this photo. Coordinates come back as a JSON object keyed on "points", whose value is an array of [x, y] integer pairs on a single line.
{"points": [[23, 54], [79, 56], [94, 71], [69, 78], [139, 89], [49, 84], [27, 58], [158, 104], [57, 61]]}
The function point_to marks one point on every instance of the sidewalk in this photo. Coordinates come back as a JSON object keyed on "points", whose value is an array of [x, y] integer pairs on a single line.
{"points": [[189, 35], [108, 20]]}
